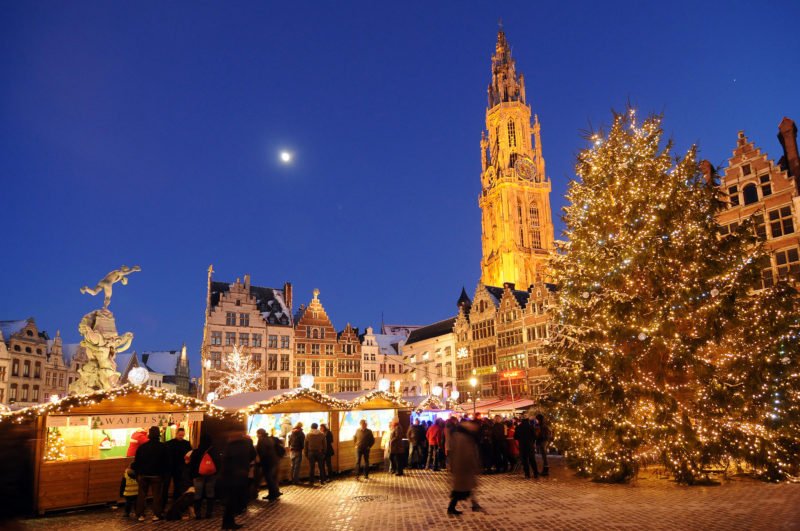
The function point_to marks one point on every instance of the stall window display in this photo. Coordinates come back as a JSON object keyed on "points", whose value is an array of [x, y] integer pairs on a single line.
{"points": [[425, 416], [108, 437], [378, 421], [281, 424]]}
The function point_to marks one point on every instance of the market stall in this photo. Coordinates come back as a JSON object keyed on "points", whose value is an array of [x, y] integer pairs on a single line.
{"points": [[278, 412], [83, 443], [510, 408], [378, 408]]}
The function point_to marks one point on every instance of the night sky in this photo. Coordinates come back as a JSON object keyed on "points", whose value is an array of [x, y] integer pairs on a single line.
{"points": [[149, 133]]}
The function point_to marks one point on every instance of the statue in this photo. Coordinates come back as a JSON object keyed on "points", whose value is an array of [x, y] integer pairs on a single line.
{"points": [[101, 341], [118, 275]]}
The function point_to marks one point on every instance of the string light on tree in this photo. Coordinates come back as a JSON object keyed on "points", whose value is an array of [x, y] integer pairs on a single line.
{"points": [[238, 375], [56, 450]]}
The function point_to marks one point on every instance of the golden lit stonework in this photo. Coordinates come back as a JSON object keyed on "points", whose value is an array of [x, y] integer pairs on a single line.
{"points": [[517, 233]]}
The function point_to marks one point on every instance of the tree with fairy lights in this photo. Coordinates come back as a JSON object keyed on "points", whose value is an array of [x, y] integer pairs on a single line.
{"points": [[238, 375], [648, 343], [55, 448]]}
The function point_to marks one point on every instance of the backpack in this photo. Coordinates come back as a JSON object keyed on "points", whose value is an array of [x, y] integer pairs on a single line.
{"points": [[207, 466], [279, 449]]}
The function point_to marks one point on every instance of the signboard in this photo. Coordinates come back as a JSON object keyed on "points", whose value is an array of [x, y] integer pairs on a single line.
{"points": [[484, 370], [142, 420], [59, 421], [514, 373]]}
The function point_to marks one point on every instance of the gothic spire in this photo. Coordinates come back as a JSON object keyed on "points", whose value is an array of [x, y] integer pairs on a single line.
{"points": [[506, 84]]}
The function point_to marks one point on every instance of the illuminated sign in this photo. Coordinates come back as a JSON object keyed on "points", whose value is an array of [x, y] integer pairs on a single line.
{"points": [[516, 373], [484, 370]]}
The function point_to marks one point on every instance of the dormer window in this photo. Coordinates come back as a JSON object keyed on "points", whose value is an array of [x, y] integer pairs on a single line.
{"points": [[766, 186], [746, 170], [750, 194]]}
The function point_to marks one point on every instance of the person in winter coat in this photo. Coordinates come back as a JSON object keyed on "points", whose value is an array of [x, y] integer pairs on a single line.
{"points": [[328, 450], [177, 449], [542, 441], [524, 435], [297, 442], [414, 442], [315, 449], [151, 465], [464, 465], [396, 448], [435, 438], [364, 440], [239, 453], [204, 478], [129, 489], [269, 459], [499, 445]]}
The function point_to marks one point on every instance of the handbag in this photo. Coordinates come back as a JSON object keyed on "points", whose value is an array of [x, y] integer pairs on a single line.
{"points": [[207, 466]]}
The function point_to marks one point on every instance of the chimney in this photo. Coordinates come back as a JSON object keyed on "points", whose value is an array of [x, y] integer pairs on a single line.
{"points": [[247, 281], [708, 173], [787, 135], [287, 295], [508, 285]]}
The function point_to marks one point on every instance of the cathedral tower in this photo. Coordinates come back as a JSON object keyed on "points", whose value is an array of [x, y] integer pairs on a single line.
{"points": [[517, 224]]}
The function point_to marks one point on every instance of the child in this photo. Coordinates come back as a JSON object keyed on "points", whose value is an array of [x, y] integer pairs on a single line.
{"points": [[129, 489], [183, 505]]}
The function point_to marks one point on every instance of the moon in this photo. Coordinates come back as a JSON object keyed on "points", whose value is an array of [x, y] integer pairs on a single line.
{"points": [[286, 157]]}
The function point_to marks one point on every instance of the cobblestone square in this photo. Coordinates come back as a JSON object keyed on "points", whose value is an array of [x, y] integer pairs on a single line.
{"points": [[418, 501]]}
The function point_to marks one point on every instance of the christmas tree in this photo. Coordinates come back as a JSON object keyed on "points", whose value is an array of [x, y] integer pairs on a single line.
{"points": [[237, 375], [648, 342], [55, 449]]}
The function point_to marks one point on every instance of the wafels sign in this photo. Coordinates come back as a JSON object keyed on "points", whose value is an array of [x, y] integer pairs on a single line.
{"points": [[141, 420]]}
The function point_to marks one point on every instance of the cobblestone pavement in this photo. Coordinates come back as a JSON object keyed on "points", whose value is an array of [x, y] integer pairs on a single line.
{"points": [[418, 502]]}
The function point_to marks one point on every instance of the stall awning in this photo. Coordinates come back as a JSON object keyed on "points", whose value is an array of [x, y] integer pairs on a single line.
{"points": [[482, 407], [509, 406]]}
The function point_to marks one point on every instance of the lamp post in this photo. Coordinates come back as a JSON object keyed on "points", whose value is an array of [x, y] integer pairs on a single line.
{"points": [[473, 382]]}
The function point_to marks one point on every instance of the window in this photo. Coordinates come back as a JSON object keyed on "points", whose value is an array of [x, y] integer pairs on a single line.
{"points": [[512, 134], [28, 350], [284, 341], [3, 376], [750, 194], [272, 341], [16, 347], [301, 348], [315, 348], [780, 221], [244, 339], [2, 396], [392, 368], [350, 366], [216, 338], [257, 361], [37, 370], [12, 393], [788, 262], [329, 350], [329, 368], [746, 170], [256, 340], [15, 368], [733, 195], [272, 383], [230, 338], [766, 272], [536, 233], [244, 319], [216, 360], [24, 396], [35, 396], [26, 369], [238, 302], [284, 363], [284, 382], [760, 226], [300, 368], [315, 368], [766, 187], [322, 333], [272, 362], [315, 334], [230, 319]]}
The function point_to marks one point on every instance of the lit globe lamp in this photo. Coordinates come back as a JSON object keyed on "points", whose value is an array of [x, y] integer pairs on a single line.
{"points": [[384, 385], [307, 381], [138, 376], [210, 397]]}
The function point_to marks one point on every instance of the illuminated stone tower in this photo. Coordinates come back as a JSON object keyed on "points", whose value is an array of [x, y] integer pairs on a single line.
{"points": [[517, 223]]}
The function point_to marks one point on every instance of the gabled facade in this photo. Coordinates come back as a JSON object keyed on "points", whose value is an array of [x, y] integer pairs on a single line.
{"points": [[429, 359], [256, 319], [316, 346], [348, 368], [381, 358]]}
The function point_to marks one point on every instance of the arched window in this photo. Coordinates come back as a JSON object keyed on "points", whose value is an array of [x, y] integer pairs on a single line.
{"points": [[315, 334], [512, 134], [750, 193], [536, 234], [521, 223]]}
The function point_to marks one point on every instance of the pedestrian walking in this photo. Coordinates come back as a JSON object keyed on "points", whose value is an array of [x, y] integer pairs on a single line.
{"points": [[315, 448], [464, 465], [396, 448], [129, 489], [239, 453], [266, 448], [177, 449], [151, 465], [204, 466], [525, 436], [543, 438], [328, 450], [434, 436], [364, 440], [297, 442]]}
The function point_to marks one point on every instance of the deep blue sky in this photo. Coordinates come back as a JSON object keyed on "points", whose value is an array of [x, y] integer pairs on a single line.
{"points": [[148, 133]]}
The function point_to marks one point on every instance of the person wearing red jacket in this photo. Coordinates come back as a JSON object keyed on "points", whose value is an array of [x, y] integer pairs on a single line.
{"points": [[435, 437], [138, 438]]}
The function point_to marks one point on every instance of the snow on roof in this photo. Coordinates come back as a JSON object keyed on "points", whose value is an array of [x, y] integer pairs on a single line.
{"points": [[123, 361], [9, 328], [161, 361], [387, 343], [68, 352], [242, 400]]}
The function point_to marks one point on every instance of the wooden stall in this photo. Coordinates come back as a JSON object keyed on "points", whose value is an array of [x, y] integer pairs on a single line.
{"points": [[378, 408], [278, 412], [83, 443]]}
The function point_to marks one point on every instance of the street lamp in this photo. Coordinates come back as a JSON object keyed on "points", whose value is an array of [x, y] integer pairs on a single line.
{"points": [[473, 382]]}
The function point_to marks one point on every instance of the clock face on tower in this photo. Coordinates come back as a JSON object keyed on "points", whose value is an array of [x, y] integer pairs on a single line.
{"points": [[525, 169]]}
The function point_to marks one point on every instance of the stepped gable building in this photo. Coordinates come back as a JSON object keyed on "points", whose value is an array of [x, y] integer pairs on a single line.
{"points": [[517, 224], [755, 187], [348, 369], [316, 345], [429, 359], [256, 319]]}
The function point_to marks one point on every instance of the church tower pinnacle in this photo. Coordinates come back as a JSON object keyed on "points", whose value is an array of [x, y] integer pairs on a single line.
{"points": [[517, 223]]}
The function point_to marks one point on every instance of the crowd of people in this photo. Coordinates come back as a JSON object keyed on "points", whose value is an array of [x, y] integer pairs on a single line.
{"points": [[465, 447]]}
